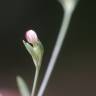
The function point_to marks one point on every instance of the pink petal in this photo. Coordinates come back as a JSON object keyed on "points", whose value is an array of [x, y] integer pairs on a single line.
{"points": [[31, 36]]}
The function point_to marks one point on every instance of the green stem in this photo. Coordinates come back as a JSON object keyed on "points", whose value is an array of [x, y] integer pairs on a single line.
{"points": [[35, 82]]}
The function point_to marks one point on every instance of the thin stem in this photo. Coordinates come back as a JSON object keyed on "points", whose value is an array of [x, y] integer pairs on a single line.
{"points": [[58, 45], [55, 53], [35, 82]]}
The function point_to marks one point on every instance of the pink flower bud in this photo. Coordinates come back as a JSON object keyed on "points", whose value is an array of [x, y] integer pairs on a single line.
{"points": [[31, 36]]}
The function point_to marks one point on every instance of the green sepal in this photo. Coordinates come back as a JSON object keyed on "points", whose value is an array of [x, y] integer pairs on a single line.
{"points": [[36, 51]]}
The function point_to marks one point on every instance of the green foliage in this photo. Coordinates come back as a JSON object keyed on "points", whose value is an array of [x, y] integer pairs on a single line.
{"points": [[23, 88], [36, 51]]}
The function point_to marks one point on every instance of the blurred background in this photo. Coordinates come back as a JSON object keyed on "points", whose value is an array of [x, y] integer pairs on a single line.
{"points": [[75, 70]]}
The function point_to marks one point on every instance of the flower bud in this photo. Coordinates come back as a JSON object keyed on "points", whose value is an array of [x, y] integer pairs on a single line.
{"points": [[31, 36]]}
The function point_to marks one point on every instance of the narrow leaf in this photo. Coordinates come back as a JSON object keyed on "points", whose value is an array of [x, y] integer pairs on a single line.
{"points": [[24, 91]]}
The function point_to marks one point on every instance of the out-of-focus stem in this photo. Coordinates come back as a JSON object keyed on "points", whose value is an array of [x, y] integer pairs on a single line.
{"points": [[56, 50]]}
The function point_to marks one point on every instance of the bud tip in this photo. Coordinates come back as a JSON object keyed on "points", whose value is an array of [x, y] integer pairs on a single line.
{"points": [[31, 36]]}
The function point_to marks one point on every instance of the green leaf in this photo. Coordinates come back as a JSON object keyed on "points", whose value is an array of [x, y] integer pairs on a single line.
{"points": [[24, 91]]}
